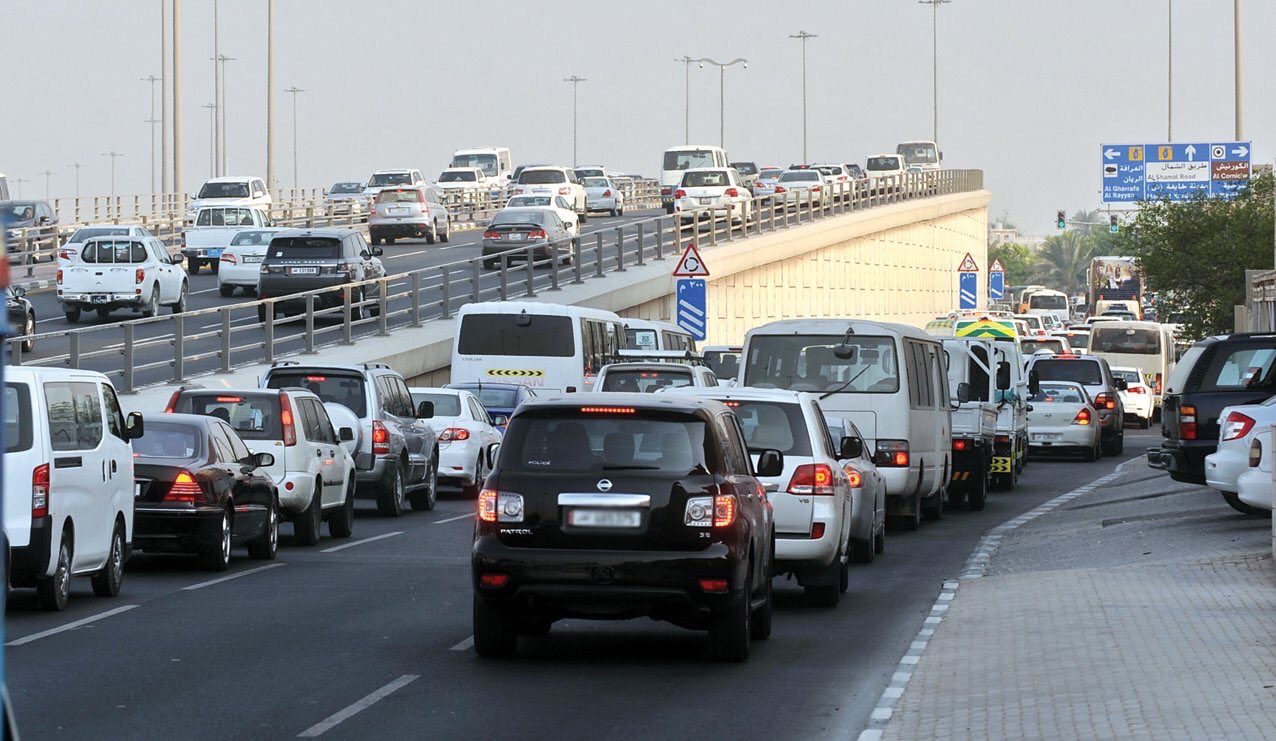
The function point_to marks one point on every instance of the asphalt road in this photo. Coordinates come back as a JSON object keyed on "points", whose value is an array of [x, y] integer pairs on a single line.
{"points": [[382, 627]]}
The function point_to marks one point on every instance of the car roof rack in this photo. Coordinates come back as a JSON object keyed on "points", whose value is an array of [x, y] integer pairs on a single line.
{"points": [[370, 366], [279, 363]]}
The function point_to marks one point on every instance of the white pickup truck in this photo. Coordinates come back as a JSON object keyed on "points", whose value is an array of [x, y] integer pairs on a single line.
{"points": [[111, 273], [972, 374], [215, 227]]}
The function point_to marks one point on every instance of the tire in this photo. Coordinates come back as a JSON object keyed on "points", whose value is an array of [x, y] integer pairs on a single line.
{"points": [[584, 217], [389, 240], [226, 290], [863, 551], [194, 266], [489, 265], [907, 522], [55, 591], [152, 306], [217, 558], [73, 315], [844, 577], [29, 329], [423, 500], [879, 541], [826, 595], [374, 238], [261, 314], [106, 582], [615, 212], [760, 623], [390, 500], [495, 630], [432, 235], [265, 547], [731, 627], [1234, 501], [180, 306], [1120, 446], [976, 498], [933, 506], [341, 521], [1113, 447], [1091, 454], [307, 523], [471, 491], [447, 233]]}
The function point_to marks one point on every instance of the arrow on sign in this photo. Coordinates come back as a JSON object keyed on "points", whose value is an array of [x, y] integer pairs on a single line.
{"points": [[1110, 153], [1191, 152], [1241, 151]]}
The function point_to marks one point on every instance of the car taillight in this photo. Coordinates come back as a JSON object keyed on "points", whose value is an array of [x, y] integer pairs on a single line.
{"points": [[732, 193], [380, 438], [172, 402], [680, 193], [1082, 418], [812, 478], [182, 243], [724, 507], [718, 510], [500, 506], [285, 419], [1157, 389], [66, 255], [855, 478], [184, 489], [1187, 422], [815, 189], [1137, 389], [1255, 453], [1105, 401], [40, 491], [139, 275], [491, 234], [1236, 426], [58, 278], [536, 234], [666, 191], [780, 189], [454, 433], [564, 191], [960, 444], [892, 453], [230, 258]]}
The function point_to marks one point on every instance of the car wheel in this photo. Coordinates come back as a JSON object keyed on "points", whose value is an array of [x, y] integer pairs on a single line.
{"points": [[180, 306], [879, 541], [584, 217], [306, 523], [374, 239], [341, 522], [760, 627], [225, 290], [356, 304], [152, 305], [261, 313], [73, 314], [976, 498], [390, 501], [1234, 501], [863, 551], [489, 264], [471, 491], [266, 546], [432, 234], [1091, 454], [106, 582], [1111, 447], [217, 558], [910, 521], [28, 329], [1120, 443], [730, 630], [495, 630], [194, 266], [615, 212], [933, 506], [389, 240], [447, 233], [55, 591], [425, 499], [827, 595]]}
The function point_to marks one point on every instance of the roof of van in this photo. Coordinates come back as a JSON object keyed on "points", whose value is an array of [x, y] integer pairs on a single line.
{"points": [[1130, 324], [480, 150], [693, 147], [28, 373], [837, 327], [653, 324], [533, 307]]}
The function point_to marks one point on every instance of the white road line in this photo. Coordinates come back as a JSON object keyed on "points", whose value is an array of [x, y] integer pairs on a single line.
{"points": [[405, 254], [236, 575], [463, 645], [354, 543], [69, 626], [332, 721], [206, 290], [454, 519]]}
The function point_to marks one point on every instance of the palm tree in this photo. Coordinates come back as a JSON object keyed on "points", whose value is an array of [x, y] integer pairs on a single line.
{"points": [[1084, 221], [1063, 261]]}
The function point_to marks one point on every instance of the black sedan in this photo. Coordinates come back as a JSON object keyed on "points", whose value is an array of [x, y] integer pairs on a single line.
{"points": [[200, 490], [514, 232], [21, 315]]}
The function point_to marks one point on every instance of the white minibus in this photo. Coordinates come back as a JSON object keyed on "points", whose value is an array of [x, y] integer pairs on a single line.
{"points": [[1147, 346], [646, 334], [679, 159]]}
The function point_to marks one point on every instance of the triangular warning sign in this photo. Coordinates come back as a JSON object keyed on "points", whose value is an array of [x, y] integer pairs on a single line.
{"points": [[997, 266], [968, 265], [691, 265]]}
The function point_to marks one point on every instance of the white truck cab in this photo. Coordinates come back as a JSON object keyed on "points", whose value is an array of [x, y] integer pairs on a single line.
{"points": [[234, 190], [920, 155], [110, 273], [972, 371]]}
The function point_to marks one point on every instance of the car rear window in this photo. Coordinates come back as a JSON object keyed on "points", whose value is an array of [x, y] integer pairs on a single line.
{"points": [[1078, 340], [1085, 372], [100, 253], [346, 389], [800, 176], [541, 177], [501, 335], [524, 201], [1031, 346], [711, 179], [508, 218], [305, 248], [1240, 366], [1126, 340], [254, 416], [400, 196], [17, 418], [223, 190], [461, 176], [445, 405], [570, 440], [595, 183], [1129, 375], [883, 163], [390, 178], [496, 398], [1058, 393], [646, 381], [772, 425], [250, 239], [172, 440]]}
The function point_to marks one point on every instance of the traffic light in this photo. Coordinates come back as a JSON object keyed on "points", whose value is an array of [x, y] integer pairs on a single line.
{"points": [[1114, 226], [1061, 220]]}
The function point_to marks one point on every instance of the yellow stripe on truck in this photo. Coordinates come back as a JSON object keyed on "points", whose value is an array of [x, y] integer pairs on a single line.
{"points": [[514, 373]]}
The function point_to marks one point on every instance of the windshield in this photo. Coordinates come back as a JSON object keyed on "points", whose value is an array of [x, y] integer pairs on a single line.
{"points": [[918, 153], [505, 218], [17, 417], [595, 183], [1129, 340], [723, 363], [642, 339], [709, 179], [1031, 346], [458, 176], [113, 252], [1129, 375], [223, 190], [383, 179], [878, 164], [565, 440], [772, 425], [1060, 393], [745, 168], [542, 177], [646, 381], [525, 201], [500, 334], [800, 176], [170, 440], [1038, 301], [346, 188], [224, 217], [1085, 372], [445, 405], [331, 388], [807, 363], [305, 248], [685, 160], [254, 416], [485, 162], [89, 232], [251, 238]]}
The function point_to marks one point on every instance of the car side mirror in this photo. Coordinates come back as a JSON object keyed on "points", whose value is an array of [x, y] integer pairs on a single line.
{"points": [[377, 251], [493, 451], [500, 420], [263, 460], [425, 410], [19, 291], [346, 434], [770, 463], [1034, 383], [134, 427], [844, 352], [851, 447], [1003, 375], [1122, 384], [177, 259], [963, 393]]}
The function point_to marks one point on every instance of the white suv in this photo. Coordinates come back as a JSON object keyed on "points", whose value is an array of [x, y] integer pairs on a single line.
{"points": [[68, 481], [559, 181], [292, 425], [718, 191]]}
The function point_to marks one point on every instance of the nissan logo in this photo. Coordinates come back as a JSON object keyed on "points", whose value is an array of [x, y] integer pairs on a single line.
{"points": [[604, 485]]}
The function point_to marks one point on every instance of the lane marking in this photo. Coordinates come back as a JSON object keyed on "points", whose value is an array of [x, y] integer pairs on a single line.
{"points": [[354, 543], [404, 254], [69, 626], [454, 519], [236, 575], [463, 645], [206, 290], [332, 721]]}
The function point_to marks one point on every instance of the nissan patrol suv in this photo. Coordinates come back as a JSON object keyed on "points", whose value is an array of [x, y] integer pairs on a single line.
{"points": [[301, 260]]}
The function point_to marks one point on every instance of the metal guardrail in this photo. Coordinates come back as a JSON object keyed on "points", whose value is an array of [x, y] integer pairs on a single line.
{"points": [[171, 349]]}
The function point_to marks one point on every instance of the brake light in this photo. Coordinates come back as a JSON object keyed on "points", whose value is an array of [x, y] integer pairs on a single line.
{"points": [[812, 478], [139, 275], [172, 402], [491, 234], [1082, 418], [1105, 401], [680, 193], [780, 189], [724, 507], [230, 399], [606, 194], [452, 434], [960, 445], [40, 491], [380, 438], [536, 234], [316, 379], [1157, 389], [815, 189], [608, 410], [666, 191], [892, 453], [290, 429], [714, 586], [230, 258], [1255, 453], [1187, 422], [1236, 426], [732, 193], [184, 489], [500, 506], [58, 279], [563, 191], [1137, 389], [855, 478]]}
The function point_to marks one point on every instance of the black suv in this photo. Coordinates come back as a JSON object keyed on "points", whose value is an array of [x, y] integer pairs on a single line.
{"points": [[613, 506], [1217, 372], [316, 259]]}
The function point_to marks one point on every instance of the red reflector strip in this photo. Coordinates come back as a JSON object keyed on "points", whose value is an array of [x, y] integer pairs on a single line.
{"points": [[493, 581], [714, 586], [817, 531]]}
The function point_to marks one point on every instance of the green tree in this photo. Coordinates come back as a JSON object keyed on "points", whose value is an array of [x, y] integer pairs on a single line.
{"points": [[1063, 261], [1195, 254], [1086, 221], [1016, 258]]}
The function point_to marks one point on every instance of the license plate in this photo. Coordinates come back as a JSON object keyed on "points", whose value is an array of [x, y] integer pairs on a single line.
{"points": [[705, 201], [303, 271], [214, 253], [603, 518], [248, 259], [1043, 437], [516, 236], [398, 211], [100, 299]]}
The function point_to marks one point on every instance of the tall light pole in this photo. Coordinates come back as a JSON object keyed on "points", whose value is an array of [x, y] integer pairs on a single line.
{"points": [[152, 121], [934, 50], [686, 117], [19, 182], [270, 94], [217, 89], [1169, 71], [803, 36], [164, 176], [77, 167], [722, 92], [212, 138], [114, 156], [575, 81], [1240, 108], [177, 102], [47, 175], [293, 91], [222, 59]]}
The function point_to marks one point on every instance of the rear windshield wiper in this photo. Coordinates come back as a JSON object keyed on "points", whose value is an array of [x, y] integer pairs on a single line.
{"points": [[631, 468]]}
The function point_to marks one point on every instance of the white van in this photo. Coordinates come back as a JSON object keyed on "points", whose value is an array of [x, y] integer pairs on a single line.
{"points": [[68, 481], [1050, 303], [920, 155], [548, 347], [889, 379], [1147, 346], [677, 160], [495, 162], [647, 334]]}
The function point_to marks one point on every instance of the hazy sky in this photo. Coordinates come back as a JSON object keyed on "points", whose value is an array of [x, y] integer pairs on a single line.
{"points": [[1028, 88]]}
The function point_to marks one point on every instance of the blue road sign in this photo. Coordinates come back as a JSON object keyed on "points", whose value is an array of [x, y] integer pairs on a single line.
{"points": [[968, 285], [1146, 172], [692, 314], [996, 285]]}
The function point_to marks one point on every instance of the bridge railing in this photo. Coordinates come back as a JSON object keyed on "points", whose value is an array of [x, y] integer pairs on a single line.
{"points": [[172, 349]]}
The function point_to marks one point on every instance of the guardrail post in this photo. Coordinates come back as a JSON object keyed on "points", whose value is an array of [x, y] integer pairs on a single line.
{"points": [[347, 332], [474, 280], [446, 286], [531, 266], [383, 307], [620, 249], [641, 259], [127, 351], [553, 268], [73, 349], [576, 266], [310, 324], [598, 254], [268, 328], [225, 337], [660, 238], [504, 269], [179, 348]]}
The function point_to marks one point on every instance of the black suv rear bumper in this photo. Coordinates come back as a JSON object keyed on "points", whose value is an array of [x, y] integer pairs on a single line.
{"points": [[1183, 464]]}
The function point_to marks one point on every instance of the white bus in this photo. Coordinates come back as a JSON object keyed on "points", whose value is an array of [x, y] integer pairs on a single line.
{"points": [[1147, 346], [887, 378], [646, 334], [922, 155], [549, 347], [1050, 303]]}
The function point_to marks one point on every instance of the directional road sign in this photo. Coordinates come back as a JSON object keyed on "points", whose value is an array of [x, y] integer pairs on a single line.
{"points": [[692, 314], [1146, 172], [996, 280], [691, 265], [968, 283]]}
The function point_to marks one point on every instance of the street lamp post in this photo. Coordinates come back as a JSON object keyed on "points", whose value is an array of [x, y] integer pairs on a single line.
{"points": [[803, 36], [114, 156], [212, 138], [722, 94], [1236, 35], [152, 121], [47, 175], [575, 81], [217, 91], [686, 119], [934, 50], [77, 167], [293, 91], [222, 59], [19, 182], [1169, 71]]}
